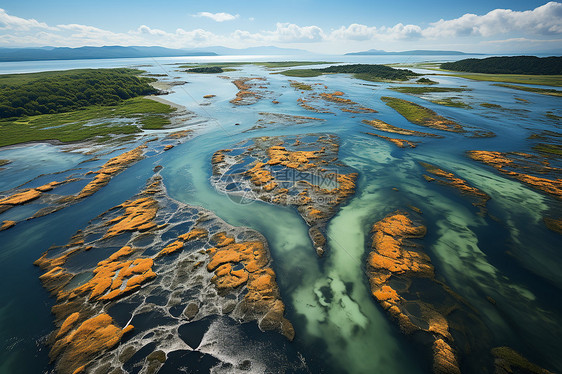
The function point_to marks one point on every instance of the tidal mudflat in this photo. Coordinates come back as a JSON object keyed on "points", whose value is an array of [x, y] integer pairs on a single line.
{"points": [[321, 220]]}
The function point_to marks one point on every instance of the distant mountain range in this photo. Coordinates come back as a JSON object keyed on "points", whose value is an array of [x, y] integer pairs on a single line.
{"points": [[266, 50], [64, 53], [421, 52]]}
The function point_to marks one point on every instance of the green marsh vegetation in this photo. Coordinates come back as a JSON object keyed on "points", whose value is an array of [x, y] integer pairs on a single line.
{"points": [[300, 86], [373, 73], [81, 105], [63, 91], [452, 102], [491, 106], [528, 65], [416, 90], [543, 91], [421, 115], [426, 81], [543, 80], [412, 112], [206, 70], [551, 115]]}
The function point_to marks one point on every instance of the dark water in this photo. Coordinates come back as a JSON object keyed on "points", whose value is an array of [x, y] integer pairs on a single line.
{"points": [[511, 257]]}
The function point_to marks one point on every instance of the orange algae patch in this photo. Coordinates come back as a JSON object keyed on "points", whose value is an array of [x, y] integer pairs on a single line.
{"points": [[93, 337], [111, 168], [177, 245], [26, 196], [444, 358], [260, 176], [168, 147], [179, 134], [111, 276], [244, 94], [293, 159], [395, 256], [386, 127], [68, 323], [263, 293], [139, 216], [21, 197], [450, 179], [218, 156], [553, 224], [7, 224], [401, 143], [500, 160], [336, 97]]}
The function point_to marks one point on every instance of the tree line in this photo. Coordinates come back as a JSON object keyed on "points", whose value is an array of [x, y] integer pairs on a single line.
{"points": [[379, 71], [63, 91], [508, 65]]}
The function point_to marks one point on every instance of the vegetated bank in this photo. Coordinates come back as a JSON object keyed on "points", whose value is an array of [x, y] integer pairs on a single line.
{"points": [[367, 72], [530, 65], [77, 105]]}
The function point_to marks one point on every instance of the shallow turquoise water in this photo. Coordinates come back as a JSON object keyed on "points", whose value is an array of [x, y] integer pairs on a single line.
{"points": [[339, 326]]}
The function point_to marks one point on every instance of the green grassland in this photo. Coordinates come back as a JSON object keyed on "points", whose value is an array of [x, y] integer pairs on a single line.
{"points": [[543, 80], [368, 72], [412, 112], [452, 102], [128, 117], [77, 105], [417, 90], [543, 91], [63, 91], [301, 86]]}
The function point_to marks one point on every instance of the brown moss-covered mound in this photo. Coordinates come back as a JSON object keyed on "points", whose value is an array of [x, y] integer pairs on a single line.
{"points": [[154, 248], [450, 179], [386, 127], [514, 163], [403, 282], [302, 171], [400, 143]]}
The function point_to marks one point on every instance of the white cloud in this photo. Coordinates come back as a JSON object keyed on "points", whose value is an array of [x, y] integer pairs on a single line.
{"points": [[361, 32], [8, 22], [534, 26], [291, 33], [543, 20], [218, 17]]}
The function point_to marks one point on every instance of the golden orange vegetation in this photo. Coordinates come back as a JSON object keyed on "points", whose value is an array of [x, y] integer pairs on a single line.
{"points": [[386, 127], [139, 216], [395, 256], [75, 348], [500, 160], [263, 294], [401, 143], [110, 169]]}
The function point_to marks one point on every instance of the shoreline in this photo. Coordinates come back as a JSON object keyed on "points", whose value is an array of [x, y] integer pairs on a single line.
{"points": [[160, 99]]}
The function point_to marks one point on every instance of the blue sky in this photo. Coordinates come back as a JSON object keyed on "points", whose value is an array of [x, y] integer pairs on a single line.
{"points": [[321, 26]]}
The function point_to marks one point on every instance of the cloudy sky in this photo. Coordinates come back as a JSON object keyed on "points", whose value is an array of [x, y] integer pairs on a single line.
{"points": [[326, 26]]}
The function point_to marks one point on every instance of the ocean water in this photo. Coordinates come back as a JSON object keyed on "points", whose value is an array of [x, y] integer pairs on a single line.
{"points": [[508, 255]]}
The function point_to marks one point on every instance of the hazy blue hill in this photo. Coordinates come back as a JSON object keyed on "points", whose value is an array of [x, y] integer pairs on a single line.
{"points": [[64, 53], [264, 50], [421, 52]]}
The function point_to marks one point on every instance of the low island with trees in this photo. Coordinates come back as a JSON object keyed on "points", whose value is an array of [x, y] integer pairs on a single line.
{"points": [[61, 105], [530, 65]]}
